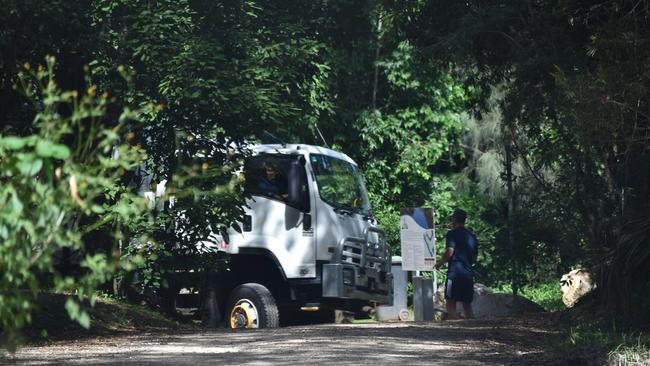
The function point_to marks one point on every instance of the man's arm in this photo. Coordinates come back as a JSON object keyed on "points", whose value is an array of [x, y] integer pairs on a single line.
{"points": [[474, 250], [445, 258]]}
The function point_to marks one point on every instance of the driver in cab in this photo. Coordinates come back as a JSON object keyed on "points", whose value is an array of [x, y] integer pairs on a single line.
{"points": [[272, 184]]}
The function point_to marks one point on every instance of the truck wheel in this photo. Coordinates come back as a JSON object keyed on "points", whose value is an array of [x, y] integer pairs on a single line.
{"points": [[251, 305]]}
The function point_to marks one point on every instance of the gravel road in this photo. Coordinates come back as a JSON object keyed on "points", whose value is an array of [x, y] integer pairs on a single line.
{"points": [[469, 342]]}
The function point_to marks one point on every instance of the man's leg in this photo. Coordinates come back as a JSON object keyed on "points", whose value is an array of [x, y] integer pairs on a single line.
{"points": [[467, 310], [450, 301], [464, 292], [469, 296], [451, 310]]}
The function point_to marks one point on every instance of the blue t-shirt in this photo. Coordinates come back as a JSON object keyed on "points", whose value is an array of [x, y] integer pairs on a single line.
{"points": [[465, 251], [272, 188]]}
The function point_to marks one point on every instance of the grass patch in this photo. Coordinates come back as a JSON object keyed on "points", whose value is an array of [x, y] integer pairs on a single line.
{"points": [[364, 321], [629, 355], [592, 338], [617, 348], [547, 295]]}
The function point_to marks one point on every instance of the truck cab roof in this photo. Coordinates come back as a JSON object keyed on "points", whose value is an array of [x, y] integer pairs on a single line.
{"points": [[300, 149]]}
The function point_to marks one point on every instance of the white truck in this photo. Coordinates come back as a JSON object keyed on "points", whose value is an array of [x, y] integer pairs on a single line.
{"points": [[311, 245]]}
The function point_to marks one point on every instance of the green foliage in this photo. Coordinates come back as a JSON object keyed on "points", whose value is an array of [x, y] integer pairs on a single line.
{"points": [[626, 293], [411, 139], [416, 126], [224, 72], [59, 184], [217, 73], [405, 88], [575, 109], [605, 344]]}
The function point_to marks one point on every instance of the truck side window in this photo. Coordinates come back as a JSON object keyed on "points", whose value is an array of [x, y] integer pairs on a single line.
{"points": [[267, 176]]}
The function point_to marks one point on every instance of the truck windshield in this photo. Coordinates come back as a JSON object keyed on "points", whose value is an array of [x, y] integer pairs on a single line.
{"points": [[340, 184]]}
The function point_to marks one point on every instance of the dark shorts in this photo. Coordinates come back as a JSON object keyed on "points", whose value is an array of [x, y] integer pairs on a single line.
{"points": [[459, 289]]}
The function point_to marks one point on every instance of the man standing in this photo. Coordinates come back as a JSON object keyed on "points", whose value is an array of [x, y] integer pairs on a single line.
{"points": [[461, 252]]}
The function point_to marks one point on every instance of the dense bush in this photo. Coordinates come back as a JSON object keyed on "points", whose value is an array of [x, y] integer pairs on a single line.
{"points": [[59, 184]]}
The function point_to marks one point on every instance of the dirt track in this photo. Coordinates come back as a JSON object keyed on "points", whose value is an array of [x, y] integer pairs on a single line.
{"points": [[472, 342]]}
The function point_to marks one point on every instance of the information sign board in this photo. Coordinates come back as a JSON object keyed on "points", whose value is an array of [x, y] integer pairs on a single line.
{"points": [[418, 237]]}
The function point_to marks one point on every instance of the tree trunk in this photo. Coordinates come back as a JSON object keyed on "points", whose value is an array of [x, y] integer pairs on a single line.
{"points": [[511, 229]]}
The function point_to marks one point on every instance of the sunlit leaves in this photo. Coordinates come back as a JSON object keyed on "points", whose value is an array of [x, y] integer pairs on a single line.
{"points": [[417, 124], [48, 149], [55, 183]]}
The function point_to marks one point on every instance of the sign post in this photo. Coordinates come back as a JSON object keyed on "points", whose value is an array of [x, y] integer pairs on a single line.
{"points": [[418, 239]]}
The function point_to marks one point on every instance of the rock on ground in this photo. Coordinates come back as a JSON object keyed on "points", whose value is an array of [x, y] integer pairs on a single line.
{"points": [[575, 285], [487, 304]]}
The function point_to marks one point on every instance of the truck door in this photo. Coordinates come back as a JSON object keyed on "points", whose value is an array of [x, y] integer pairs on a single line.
{"points": [[280, 213]]}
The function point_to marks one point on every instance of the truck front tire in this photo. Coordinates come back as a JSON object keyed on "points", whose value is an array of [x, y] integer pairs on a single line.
{"points": [[251, 305]]}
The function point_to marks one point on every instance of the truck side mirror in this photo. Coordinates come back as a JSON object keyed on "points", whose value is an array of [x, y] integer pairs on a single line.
{"points": [[294, 184]]}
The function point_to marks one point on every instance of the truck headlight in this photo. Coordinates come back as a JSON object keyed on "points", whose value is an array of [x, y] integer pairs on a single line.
{"points": [[348, 276]]}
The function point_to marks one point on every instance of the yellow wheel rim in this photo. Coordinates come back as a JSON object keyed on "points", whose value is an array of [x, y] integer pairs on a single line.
{"points": [[244, 315]]}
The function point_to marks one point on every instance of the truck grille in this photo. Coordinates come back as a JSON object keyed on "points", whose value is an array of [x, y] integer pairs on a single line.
{"points": [[373, 252], [351, 251]]}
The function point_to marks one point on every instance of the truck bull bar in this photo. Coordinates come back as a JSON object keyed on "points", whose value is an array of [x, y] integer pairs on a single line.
{"points": [[360, 269]]}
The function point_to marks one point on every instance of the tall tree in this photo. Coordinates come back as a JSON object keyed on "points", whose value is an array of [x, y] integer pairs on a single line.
{"points": [[577, 100]]}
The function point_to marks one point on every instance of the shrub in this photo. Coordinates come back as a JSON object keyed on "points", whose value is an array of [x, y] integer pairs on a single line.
{"points": [[63, 181]]}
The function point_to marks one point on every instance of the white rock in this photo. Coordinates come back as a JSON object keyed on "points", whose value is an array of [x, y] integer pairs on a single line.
{"points": [[487, 304], [575, 285]]}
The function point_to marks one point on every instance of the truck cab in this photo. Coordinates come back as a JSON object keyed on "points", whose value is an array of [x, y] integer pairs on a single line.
{"points": [[308, 241]]}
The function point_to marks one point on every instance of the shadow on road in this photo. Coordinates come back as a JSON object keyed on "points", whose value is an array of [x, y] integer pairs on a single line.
{"points": [[472, 342]]}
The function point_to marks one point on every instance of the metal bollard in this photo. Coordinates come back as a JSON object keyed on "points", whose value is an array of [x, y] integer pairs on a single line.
{"points": [[422, 298], [399, 293]]}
